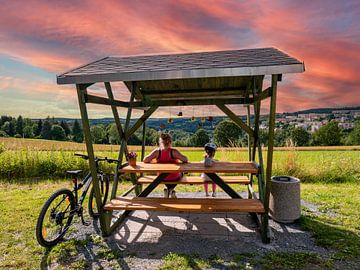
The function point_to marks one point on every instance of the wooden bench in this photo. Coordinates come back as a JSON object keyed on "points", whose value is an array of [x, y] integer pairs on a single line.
{"points": [[196, 180], [186, 204]]}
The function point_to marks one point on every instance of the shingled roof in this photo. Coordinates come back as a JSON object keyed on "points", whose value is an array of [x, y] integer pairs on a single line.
{"points": [[233, 63]]}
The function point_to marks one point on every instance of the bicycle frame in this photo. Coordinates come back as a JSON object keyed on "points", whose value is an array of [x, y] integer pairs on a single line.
{"points": [[85, 182]]}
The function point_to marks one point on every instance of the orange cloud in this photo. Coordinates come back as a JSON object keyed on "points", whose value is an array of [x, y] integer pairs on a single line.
{"points": [[70, 34]]}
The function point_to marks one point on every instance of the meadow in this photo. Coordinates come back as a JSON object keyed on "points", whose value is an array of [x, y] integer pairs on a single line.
{"points": [[32, 169], [26, 159]]}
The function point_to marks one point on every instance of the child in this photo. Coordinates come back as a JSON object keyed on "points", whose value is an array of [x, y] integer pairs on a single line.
{"points": [[166, 154], [210, 149]]}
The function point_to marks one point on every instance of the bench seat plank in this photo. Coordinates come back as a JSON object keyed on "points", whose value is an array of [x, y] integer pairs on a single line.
{"points": [[186, 204], [196, 180], [196, 167]]}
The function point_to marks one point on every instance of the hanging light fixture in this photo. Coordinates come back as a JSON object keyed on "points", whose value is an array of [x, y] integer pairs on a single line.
{"points": [[170, 120], [180, 113], [193, 116]]}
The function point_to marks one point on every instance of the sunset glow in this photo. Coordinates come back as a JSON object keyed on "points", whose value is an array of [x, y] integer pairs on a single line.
{"points": [[39, 39]]}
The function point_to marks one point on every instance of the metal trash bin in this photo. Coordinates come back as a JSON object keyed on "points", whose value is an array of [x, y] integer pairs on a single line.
{"points": [[284, 204]]}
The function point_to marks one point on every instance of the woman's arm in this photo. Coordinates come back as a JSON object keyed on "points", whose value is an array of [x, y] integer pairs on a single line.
{"points": [[179, 156], [151, 156]]}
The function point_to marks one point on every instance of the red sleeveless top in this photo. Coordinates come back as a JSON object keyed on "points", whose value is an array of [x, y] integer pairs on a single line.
{"points": [[165, 156]]}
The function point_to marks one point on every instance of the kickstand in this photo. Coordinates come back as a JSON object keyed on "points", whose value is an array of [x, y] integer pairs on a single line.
{"points": [[84, 222], [82, 218]]}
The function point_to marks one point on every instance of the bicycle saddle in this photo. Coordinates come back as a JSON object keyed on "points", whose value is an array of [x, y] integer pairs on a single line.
{"points": [[75, 173]]}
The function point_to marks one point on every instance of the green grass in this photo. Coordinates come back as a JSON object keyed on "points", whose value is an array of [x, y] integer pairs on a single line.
{"points": [[272, 260], [337, 223], [335, 226], [309, 166], [20, 206]]}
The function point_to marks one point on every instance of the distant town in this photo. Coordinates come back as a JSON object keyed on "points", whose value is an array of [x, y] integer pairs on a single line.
{"points": [[312, 121]]}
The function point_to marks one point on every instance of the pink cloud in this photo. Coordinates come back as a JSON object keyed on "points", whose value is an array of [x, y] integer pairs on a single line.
{"points": [[57, 36]]}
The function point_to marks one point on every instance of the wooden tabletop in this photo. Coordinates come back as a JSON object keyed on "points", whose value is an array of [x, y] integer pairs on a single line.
{"points": [[198, 167]]}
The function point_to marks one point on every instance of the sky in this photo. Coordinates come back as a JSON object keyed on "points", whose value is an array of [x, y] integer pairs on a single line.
{"points": [[41, 39]]}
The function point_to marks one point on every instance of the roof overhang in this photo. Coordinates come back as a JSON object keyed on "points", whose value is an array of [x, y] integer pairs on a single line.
{"points": [[249, 62]]}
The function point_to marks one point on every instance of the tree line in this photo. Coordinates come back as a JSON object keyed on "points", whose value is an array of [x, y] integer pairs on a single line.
{"points": [[225, 134], [49, 129]]}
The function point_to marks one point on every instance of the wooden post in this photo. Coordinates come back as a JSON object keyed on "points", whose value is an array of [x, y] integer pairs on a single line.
{"points": [[265, 217], [123, 147], [104, 222], [250, 193], [248, 136], [143, 140], [121, 135]]}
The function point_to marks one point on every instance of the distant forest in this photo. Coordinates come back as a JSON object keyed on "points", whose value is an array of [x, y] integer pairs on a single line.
{"points": [[193, 132]]}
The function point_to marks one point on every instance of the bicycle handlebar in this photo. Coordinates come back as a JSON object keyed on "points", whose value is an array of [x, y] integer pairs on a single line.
{"points": [[108, 160]]}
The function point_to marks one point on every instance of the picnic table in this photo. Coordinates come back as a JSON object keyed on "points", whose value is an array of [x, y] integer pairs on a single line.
{"points": [[159, 171]]}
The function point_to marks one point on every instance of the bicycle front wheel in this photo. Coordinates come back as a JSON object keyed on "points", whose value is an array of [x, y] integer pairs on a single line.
{"points": [[55, 218], [104, 191]]}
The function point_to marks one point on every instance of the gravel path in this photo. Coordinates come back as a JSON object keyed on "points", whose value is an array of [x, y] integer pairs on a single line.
{"points": [[145, 237]]}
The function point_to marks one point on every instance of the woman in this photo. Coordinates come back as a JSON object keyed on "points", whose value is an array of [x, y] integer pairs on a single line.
{"points": [[166, 154]]}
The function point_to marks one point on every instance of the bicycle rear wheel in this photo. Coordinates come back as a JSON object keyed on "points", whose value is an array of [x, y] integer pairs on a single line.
{"points": [[55, 217], [104, 191]]}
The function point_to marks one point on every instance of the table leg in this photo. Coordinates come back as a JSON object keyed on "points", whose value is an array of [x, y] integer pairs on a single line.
{"points": [[144, 193], [228, 190], [153, 185]]}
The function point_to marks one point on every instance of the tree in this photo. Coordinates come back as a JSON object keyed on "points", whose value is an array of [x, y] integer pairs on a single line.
{"points": [[199, 138], [28, 131], [58, 133], [6, 128], [354, 136], [227, 133], [98, 134], [3, 134], [46, 130], [151, 136], [300, 136], [12, 127], [134, 140], [20, 125], [330, 134], [66, 128], [264, 136], [113, 133], [5, 118], [37, 130], [77, 132]]}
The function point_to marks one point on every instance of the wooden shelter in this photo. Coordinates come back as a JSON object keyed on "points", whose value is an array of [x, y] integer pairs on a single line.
{"points": [[208, 78]]}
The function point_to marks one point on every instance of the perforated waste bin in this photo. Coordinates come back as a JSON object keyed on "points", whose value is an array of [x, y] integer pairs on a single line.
{"points": [[284, 204]]}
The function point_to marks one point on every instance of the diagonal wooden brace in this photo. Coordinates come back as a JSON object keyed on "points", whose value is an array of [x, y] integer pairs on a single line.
{"points": [[235, 118]]}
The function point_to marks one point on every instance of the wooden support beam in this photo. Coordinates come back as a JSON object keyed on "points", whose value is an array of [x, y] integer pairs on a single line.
{"points": [[140, 121], [215, 91], [263, 95], [131, 88], [194, 93], [143, 143], [81, 91], [146, 103], [105, 101], [236, 119], [265, 217], [121, 135], [248, 136], [194, 102]]}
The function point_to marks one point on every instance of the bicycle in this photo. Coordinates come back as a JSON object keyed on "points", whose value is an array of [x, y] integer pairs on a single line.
{"points": [[58, 211]]}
